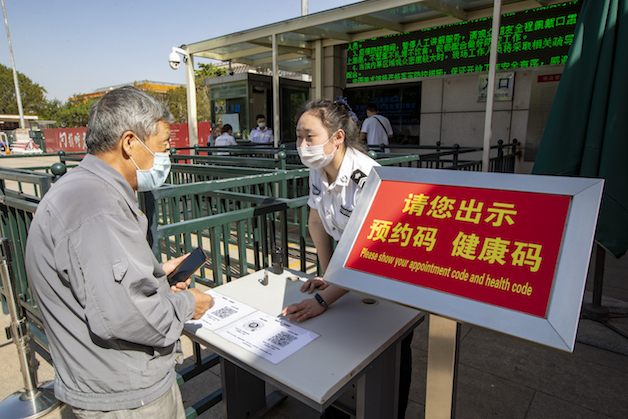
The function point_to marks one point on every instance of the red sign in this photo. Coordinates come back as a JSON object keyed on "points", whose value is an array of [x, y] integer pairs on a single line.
{"points": [[179, 136], [73, 139], [493, 246], [548, 77], [67, 139]]}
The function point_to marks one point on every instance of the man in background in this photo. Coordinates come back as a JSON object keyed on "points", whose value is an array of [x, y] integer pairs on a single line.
{"points": [[112, 320], [376, 128], [262, 134]]}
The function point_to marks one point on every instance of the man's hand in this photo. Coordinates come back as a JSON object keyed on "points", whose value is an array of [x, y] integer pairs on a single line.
{"points": [[303, 310], [172, 264], [203, 303], [181, 286], [312, 284]]}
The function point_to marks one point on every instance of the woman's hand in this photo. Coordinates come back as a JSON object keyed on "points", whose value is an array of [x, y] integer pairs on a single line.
{"points": [[304, 310], [313, 284]]}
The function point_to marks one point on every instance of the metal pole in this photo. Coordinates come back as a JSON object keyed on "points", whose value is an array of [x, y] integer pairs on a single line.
{"points": [[34, 401], [318, 69], [17, 86], [490, 95], [276, 109], [304, 8], [191, 96]]}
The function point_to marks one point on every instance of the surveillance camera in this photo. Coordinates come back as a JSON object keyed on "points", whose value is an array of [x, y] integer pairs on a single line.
{"points": [[175, 60]]}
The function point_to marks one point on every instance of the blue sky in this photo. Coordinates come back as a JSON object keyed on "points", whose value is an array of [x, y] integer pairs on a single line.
{"points": [[78, 46]]}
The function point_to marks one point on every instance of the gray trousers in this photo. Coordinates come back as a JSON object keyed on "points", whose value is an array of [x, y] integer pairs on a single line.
{"points": [[168, 406]]}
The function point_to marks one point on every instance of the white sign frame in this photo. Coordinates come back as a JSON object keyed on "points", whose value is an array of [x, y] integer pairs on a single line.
{"points": [[558, 329]]}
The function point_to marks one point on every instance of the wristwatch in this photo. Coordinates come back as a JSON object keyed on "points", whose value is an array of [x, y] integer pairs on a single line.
{"points": [[321, 301]]}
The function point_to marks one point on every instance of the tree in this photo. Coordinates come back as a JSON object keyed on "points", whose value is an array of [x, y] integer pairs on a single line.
{"points": [[31, 94], [71, 114], [207, 71], [176, 99]]}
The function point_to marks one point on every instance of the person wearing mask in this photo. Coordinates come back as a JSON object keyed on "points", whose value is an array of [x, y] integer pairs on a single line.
{"points": [[262, 134], [328, 143], [225, 139], [112, 320]]}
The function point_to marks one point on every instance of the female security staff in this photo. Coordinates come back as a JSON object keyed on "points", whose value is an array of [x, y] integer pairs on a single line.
{"points": [[328, 143]]}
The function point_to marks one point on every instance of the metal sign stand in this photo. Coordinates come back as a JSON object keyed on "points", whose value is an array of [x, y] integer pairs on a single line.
{"points": [[34, 402], [442, 368]]}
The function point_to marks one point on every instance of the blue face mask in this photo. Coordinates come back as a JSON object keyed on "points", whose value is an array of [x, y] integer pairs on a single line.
{"points": [[153, 178]]}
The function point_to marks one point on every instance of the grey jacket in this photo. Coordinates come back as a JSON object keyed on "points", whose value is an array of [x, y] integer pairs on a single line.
{"points": [[112, 323]]}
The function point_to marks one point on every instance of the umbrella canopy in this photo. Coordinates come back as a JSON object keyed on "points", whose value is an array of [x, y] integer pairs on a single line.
{"points": [[587, 129]]}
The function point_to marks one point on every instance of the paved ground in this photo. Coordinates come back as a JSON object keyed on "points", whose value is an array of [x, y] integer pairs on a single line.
{"points": [[499, 376]]}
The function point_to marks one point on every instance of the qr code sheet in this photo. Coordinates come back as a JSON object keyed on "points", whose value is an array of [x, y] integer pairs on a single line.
{"points": [[224, 312], [282, 339]]}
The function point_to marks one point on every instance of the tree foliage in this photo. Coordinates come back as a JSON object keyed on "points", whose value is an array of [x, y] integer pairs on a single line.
{"points": [[207, 71], [176, 99], [31, 94], [71, 114]]}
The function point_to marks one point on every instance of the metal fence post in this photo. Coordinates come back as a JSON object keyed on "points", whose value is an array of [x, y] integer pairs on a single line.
{"points": [[500, 156], [455, 156], [438, 164], [34, 402]]}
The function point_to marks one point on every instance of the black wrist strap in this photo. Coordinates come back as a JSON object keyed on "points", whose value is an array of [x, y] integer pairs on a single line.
{"points": [[321, 301]]}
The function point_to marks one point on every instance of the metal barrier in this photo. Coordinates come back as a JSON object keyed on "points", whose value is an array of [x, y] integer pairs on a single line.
{"points": [[34, 401], [243, 212], [418, 156]]}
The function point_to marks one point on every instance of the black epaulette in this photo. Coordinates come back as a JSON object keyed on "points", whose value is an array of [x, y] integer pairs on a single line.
{"points": [[359, 177]]}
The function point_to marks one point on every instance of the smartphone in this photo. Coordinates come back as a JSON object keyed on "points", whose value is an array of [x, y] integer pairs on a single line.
{"points": [[185, 270]]}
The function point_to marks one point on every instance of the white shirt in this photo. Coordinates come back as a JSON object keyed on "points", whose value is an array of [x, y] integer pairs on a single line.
{"points": [[262, 137], [224, 140], [377, 134], [335, 202]]}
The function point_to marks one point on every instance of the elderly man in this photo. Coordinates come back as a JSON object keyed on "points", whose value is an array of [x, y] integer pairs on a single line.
{"points": [[112, 321]]}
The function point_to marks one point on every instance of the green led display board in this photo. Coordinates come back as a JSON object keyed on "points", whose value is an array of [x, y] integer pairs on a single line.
{"points": [[532, 38]]}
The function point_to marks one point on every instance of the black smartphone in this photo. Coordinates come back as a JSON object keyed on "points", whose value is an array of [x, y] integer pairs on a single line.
{"points": [[185, 270]]}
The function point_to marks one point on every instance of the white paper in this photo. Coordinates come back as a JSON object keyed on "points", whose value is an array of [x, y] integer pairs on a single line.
{"points": [[224, 311], [271, 338], [232, 119]]}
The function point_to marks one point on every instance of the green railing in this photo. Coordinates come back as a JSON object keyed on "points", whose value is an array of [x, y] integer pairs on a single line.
{"points": [[239, 220]]}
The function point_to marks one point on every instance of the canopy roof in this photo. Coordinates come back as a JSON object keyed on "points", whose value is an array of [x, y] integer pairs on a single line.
{"points": [[297, 38]]}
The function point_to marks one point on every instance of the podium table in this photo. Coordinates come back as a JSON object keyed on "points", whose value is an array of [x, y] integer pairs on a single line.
{"points": [[354, 361]]}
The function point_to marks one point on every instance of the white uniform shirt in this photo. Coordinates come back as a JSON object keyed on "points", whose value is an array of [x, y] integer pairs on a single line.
{"points": [[335, 203], [262, 137], [224, 140], [377, 134]]}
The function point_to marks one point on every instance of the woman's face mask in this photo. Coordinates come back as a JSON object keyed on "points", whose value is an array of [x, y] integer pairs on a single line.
{"points": [[314, 156], [153, 178]]}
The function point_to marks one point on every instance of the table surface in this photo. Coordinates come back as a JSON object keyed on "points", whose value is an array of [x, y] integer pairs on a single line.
{"points": [[352, 335]]}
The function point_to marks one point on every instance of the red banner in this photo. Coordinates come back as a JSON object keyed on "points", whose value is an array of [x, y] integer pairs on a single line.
{"points": [[179, 136], [493, 246], [67, 139], [73, 139]]}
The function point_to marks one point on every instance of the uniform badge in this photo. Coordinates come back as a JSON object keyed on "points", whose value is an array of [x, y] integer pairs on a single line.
{"points": [[345, 212], [359, 177], [315, 190]]}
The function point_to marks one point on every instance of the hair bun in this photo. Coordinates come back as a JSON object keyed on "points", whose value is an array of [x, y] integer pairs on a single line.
{"points": [[341, 100]]}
